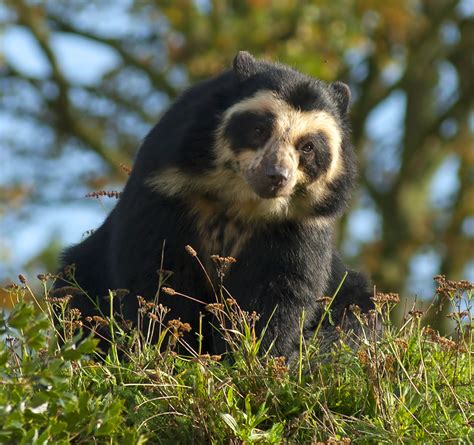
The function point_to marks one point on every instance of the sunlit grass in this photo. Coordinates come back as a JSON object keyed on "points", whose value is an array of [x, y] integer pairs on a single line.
{"points": [[404, 384]]}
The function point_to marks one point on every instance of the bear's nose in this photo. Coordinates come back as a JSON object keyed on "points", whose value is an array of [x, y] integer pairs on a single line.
{"points": [[278, 176]]}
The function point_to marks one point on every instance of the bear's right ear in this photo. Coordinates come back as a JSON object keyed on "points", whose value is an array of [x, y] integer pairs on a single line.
{"points": [[342, 94], [244, 65]]}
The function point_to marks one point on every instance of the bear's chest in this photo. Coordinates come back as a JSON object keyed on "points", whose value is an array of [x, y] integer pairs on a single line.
{"points": [[222, 236], [217, 233]]}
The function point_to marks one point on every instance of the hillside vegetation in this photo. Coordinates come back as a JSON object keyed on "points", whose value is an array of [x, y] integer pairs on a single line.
{"points": [[406, 385]]}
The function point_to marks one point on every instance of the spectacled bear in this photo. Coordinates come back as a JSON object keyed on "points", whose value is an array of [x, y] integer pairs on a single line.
{"points": [[256, 164]]}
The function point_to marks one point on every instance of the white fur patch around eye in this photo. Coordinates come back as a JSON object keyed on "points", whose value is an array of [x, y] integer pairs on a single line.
{"points": [[291, 124]]}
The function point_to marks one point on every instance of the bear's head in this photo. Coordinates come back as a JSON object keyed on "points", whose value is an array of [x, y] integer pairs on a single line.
{"points": [[280, 147]]}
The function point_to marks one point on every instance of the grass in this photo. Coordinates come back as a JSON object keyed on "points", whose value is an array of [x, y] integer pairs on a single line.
{"points": [[407, 385]]}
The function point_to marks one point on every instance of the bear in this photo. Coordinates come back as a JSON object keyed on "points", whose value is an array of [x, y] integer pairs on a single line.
{"points": [[255, 164]]}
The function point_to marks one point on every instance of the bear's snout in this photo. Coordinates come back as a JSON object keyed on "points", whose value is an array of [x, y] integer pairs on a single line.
{"points": [[273, 175], [278, 176]]}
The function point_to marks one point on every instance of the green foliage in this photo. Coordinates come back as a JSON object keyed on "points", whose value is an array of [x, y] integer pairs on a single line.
{"points": [[44, 397], [404, 385]]}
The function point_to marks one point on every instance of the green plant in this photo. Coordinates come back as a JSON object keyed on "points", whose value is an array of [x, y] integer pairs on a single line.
{"points": [[407, 384]]}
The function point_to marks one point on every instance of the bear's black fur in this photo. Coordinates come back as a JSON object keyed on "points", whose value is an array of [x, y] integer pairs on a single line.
{"points": [[284, 264]]}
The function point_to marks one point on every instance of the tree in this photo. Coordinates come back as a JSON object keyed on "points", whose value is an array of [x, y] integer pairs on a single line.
{"points": [[416, 54]]}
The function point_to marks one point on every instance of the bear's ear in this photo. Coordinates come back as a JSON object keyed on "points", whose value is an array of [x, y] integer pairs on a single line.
{"points": [[342, 94], [244, 65]]}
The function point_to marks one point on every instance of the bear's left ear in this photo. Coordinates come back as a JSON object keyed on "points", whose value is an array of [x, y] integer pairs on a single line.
{"points": [[342, 94], [244, 65]]}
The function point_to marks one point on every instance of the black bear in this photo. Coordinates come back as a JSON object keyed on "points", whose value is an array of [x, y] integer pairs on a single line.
{"points": [[256, 164]]}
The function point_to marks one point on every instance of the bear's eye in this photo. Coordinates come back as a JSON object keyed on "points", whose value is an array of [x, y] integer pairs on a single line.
{"points": [[249, 129], [307, 148]]}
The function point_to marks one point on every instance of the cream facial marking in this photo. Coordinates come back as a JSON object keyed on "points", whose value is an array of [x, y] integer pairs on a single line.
{"points": [[290, 125], [228, 183], [235, 197]]}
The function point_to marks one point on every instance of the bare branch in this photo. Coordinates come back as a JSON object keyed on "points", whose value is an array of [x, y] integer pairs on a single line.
{"points": [[29, 16], [158, 79]]}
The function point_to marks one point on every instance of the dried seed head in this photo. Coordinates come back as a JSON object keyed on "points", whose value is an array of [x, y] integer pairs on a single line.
{"points": [[447, 343], [254, 317], [383, 298], [279, 367], [168, 290], [190, 250], [75, 313], [120, 293], [141, 301], [162, 309], [108, 193], [449, 288], [458, 315], [324, 300], [12, 287], [98, 320], [442, 341], [355, 309], [222, 264], [22, 279], [76, 324], [401, 343], [178, 326], [44, 276], [214, 308], [59, 300], [223, 260], [202, 359], [465, 285], [153, 316], [389, 362], [416, 313], [430, 332], [363, 357]]}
